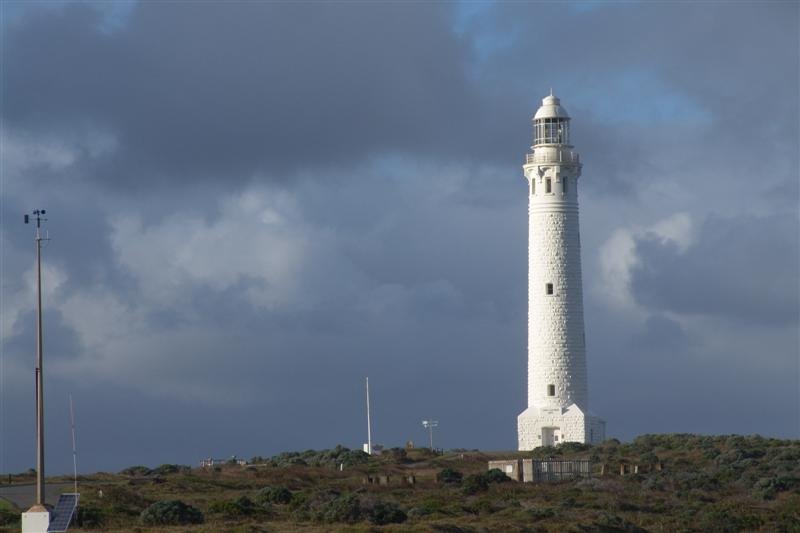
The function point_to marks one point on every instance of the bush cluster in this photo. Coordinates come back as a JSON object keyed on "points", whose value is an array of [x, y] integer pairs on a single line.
{"points": [[329, 458], [448, 476], [476, 483], [141, 470], [332, 507], [280, 495], [124, 500], [136, 471], [241, 506], [171, 513], [8, 517], [89, 517], [171, 469]]}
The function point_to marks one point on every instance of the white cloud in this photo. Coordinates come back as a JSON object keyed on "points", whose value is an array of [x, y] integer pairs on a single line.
{"points": [[54, 152], [618, 255], [19, 293], [120, 345], [257, 238], [676, 230]]}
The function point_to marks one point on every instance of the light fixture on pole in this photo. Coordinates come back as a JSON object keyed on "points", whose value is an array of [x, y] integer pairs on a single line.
{"points": [[429, 425]]}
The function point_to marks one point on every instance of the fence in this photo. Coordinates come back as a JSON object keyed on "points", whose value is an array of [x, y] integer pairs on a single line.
{"points": [[211, 462], [553, 470]]}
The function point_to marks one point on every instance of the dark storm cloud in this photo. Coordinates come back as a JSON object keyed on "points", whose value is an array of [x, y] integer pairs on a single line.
{"points": [[226, 90], [232, 89], [744, 268]]}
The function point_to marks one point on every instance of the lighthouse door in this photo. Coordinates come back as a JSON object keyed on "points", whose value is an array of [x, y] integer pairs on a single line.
{"points": [[550, 436]]}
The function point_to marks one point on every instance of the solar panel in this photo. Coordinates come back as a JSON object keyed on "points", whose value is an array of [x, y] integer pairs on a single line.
{"points": [[63, 512]]}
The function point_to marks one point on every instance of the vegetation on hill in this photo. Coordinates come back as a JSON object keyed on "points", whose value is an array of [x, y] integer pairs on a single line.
{"points": [[333, 458], [670, 483]]}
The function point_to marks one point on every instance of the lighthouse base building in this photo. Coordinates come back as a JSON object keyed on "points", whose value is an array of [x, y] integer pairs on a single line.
{"points": [[552, 426], [558, 396]]}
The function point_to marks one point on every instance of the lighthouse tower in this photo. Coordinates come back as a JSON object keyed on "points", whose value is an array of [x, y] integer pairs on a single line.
{"points": [[558, 396]]}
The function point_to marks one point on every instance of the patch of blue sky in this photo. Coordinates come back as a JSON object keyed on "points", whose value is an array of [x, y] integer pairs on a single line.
{"points": [[468, 12], [636, 96], [585, 6], [474, 20], [115, 13]]}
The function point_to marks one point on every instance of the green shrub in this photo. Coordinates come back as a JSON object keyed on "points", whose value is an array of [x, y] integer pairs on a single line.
{"points": [[539, 514], [329, 458], [124, 500], [299, 500], [345, 508], [381, 513], [609, 522], [474, 484], [728, 517], [431, 506], [89, 517], [136, 471], [395, 455], [241, 506], [8, 517], [350, 508], [448, 476], [767, 488], [418, 512], [573, 447], [648, 458], [170, 469], [495, 475], [541, 452], [170, 513], [280, 495]]}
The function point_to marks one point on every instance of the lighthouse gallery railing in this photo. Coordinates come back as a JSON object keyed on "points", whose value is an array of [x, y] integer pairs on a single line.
{"points": [[553, 157]]}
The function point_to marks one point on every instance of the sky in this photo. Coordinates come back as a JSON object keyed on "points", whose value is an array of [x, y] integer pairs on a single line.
{"points": [[252, 206]]}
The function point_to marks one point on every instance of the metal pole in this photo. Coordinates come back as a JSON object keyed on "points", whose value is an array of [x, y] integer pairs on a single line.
{"points": [[39, 371], [74, 450], [430, 430], [369, 424]]}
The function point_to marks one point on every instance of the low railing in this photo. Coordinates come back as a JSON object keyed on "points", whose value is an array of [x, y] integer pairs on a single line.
{"points": [[210, 462], [553, 470], [552, 157]]}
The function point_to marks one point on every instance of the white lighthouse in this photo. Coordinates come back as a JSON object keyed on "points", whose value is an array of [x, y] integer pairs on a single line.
{"points": [[558, 399]]}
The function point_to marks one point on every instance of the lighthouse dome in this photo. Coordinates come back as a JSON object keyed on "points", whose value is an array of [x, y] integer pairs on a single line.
{"points": [[551, 108]]}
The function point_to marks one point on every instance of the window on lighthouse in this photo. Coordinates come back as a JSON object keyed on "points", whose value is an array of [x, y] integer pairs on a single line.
{"points": [[564, 184], [548, 288], [547, 186], [551, 390]]}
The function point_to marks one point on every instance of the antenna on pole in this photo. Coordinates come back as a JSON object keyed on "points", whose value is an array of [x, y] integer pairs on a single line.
{"points": [[74, 449], [369, 424]]}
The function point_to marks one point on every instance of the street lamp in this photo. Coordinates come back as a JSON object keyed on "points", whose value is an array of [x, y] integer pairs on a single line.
{"points": [[429, 425]]}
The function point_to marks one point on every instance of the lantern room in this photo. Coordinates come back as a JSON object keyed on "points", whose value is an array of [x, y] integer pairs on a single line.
{"points": [[551, 123]]}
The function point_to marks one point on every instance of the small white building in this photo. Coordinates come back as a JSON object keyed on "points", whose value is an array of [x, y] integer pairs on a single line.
{"points": [[558, 396]]}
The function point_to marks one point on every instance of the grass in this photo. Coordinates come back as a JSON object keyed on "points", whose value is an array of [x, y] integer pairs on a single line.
{"points": [[705, 483]]}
